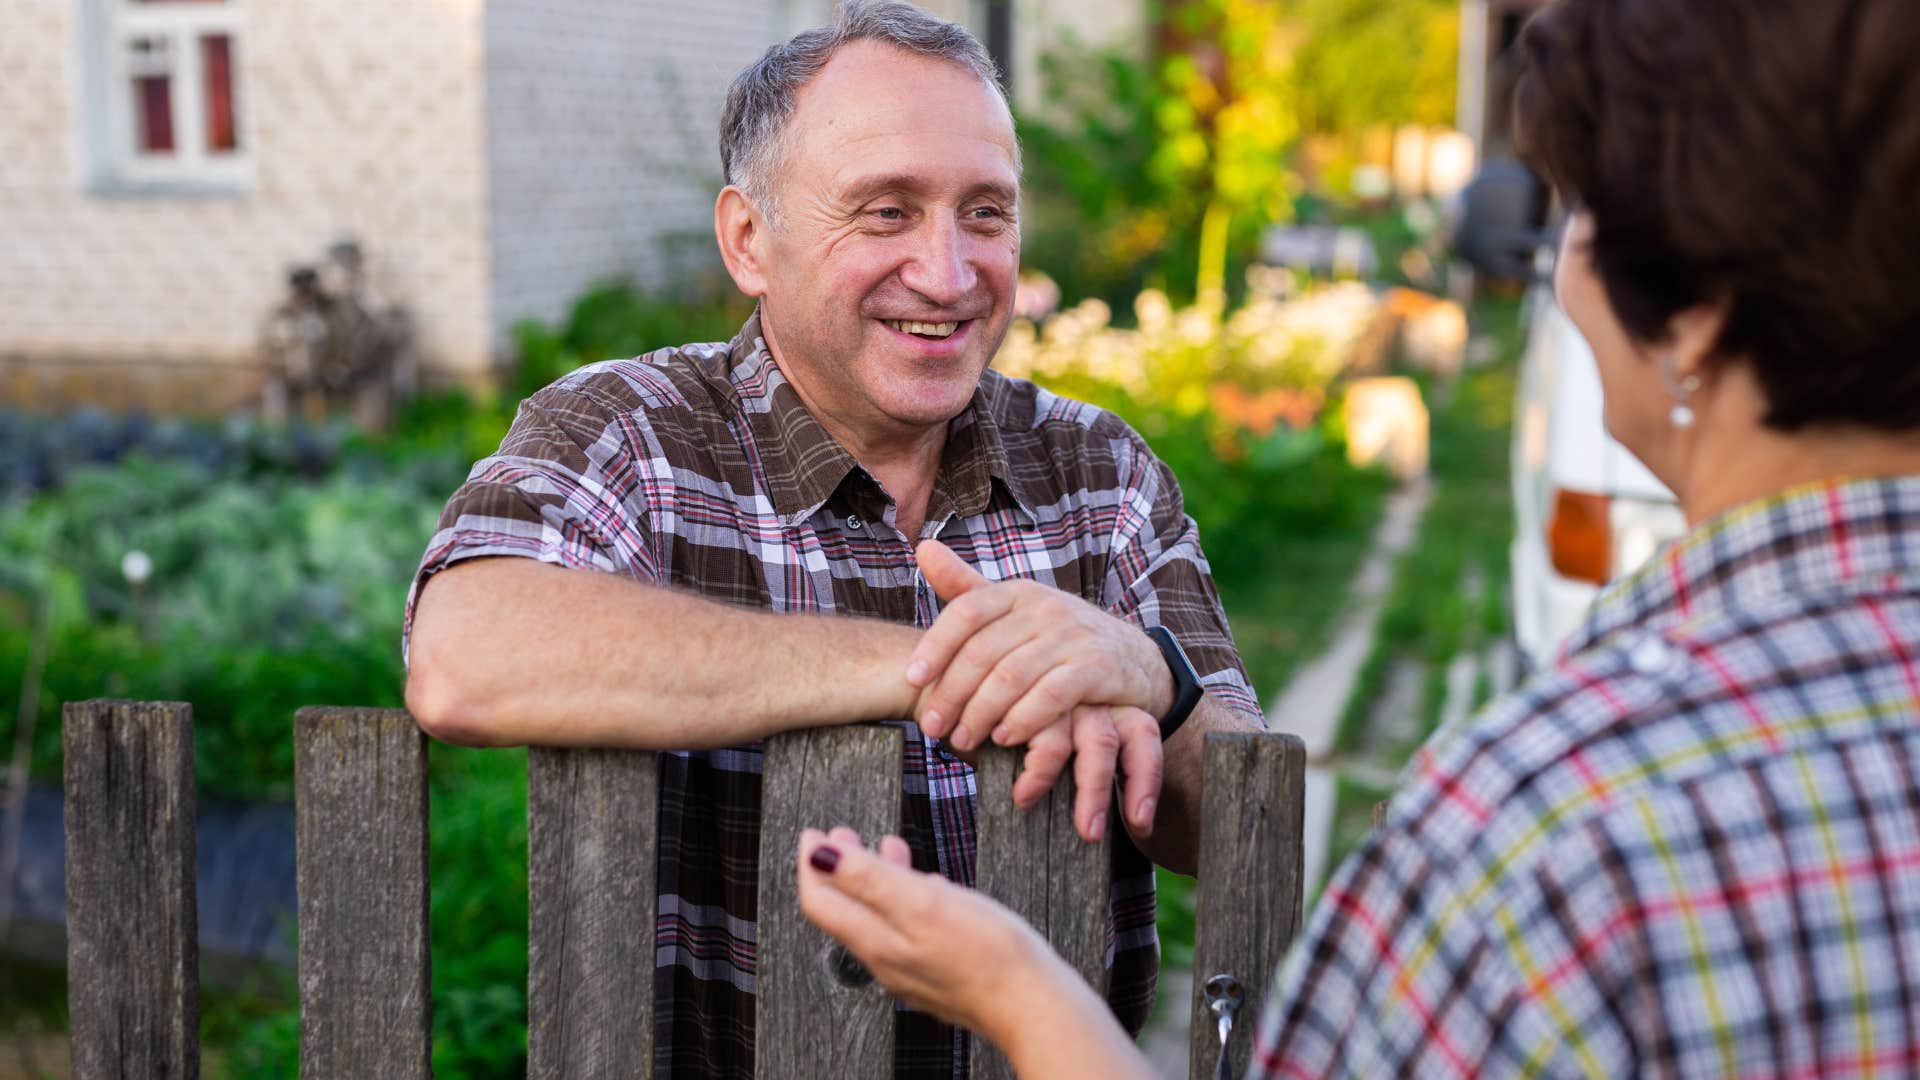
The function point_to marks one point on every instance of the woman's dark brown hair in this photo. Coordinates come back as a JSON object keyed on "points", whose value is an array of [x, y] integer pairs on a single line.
{"points": [[1761, 152]]}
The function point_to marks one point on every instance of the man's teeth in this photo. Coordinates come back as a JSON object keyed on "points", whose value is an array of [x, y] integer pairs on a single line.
{"points": [[924, 329]]}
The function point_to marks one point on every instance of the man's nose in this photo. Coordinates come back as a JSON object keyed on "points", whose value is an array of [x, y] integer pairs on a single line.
{"points": [[940, 269]]}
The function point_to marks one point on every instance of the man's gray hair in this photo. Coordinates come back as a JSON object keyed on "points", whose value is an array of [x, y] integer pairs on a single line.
{"points": [[761, 99]]}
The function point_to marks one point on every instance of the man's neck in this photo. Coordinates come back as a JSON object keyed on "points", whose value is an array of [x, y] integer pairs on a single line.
{"points": [[905, 461], [905, 466]]}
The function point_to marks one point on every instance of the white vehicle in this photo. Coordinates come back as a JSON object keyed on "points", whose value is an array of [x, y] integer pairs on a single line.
{"points": [[1586, 511]]}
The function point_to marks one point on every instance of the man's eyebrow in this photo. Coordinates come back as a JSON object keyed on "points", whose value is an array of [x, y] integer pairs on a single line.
{"points": [[866, 187]]}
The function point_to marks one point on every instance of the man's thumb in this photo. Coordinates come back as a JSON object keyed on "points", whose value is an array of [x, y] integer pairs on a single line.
{"points": [[947, 572]]}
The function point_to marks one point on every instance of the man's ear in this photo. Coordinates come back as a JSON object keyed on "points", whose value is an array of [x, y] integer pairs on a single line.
{"points": [[742, 235]]}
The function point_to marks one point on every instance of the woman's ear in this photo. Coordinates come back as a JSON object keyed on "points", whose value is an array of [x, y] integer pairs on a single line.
{"points": [[1693, 336], [741, 232]]}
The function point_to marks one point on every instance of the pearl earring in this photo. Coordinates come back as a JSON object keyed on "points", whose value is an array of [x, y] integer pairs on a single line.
{"points": [[1680, 388]]}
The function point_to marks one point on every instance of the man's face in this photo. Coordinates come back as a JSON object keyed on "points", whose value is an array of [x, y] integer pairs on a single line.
{"points": [[896, 204]]}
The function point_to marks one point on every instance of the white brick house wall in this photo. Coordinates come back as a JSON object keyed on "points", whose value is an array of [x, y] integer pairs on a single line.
{"points": [[602, 140], [359, 116], [493, 157]]}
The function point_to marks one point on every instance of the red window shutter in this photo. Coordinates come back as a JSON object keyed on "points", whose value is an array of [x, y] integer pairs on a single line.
{"points": [[216, 54], [153, 105]]}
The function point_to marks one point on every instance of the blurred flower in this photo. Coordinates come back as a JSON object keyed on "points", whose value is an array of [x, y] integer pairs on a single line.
{"points": [[1153, 310], [136, 566], [1035, 296], [1265, 365]]}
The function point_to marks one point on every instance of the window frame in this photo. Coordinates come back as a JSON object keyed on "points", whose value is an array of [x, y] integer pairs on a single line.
{"points": [[116, 162]]}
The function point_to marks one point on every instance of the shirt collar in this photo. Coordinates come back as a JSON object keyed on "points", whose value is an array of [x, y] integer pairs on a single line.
{"points": [[804, 465], [1833, 535]]}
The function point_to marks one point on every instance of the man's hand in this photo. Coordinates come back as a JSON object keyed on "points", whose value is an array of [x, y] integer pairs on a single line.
{"points": [[1022, 663]]}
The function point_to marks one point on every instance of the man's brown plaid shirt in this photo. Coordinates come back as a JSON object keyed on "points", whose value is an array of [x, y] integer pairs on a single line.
{"points": [[700, 469]]}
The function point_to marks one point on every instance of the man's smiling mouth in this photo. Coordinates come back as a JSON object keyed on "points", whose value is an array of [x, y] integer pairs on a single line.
{"points": [[930, 331]]}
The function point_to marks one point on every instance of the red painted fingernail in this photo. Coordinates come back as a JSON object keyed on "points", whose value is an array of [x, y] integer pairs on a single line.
{"points": [[824, 858]]}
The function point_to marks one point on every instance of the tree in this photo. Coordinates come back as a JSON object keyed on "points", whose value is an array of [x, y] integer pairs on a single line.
{"points": [[1166, 170], [1226, 122]]}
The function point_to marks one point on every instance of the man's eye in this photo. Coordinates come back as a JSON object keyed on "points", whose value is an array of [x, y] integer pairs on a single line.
{"points": [[987, 213], [888, 213]]}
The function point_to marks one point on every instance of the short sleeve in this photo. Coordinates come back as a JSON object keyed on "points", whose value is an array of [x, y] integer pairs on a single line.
{"points": [[1157, 575], [563, 489]]}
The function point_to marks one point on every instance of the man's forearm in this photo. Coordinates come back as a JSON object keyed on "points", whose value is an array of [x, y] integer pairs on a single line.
{"points": [[1175, 843], [507, 652]]}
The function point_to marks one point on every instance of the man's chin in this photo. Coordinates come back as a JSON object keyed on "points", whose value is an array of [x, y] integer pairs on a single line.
{"points": [[932, 406]]}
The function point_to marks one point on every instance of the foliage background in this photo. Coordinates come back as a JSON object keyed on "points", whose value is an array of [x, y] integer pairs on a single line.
{"points": [[1125, 158]]}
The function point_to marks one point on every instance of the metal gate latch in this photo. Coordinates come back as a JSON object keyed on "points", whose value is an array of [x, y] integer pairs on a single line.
{"points": [[1224, 995]]}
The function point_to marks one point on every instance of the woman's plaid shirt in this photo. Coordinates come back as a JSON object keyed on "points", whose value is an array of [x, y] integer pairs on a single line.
{"points": [[1690, 849], [699, 468]]}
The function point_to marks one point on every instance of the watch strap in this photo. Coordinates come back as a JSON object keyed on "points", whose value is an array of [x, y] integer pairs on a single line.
{"points": [[1186, 683]]}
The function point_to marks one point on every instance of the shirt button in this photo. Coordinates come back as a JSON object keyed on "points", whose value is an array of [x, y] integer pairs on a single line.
{"points": [[853, 521], [1650, 657]]}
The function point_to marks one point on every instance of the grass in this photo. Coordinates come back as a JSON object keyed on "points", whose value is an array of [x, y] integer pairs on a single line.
{"points": [[1448, 594], [1283, 592], [1284, 614], [1354, 804]]}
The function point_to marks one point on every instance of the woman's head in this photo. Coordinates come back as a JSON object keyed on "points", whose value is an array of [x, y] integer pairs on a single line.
{"points": [[1747, 175]]}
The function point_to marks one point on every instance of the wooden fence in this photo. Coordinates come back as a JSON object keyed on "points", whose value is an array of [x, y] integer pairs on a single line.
{"points": [[361, 791]]}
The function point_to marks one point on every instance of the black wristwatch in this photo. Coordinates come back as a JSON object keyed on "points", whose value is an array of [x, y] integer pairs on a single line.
{"points": [[1186, 684]]}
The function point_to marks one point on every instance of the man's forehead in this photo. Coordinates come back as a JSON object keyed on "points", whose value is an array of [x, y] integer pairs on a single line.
{"points": [[860, 183], [871, 92]]}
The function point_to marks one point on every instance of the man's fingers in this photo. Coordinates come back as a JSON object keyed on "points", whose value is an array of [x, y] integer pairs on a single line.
{"points": [[944, 703], [1143, 760], [983, 699], [1053, 695], [946, 572], [1047, 756], [1095, 747], [959, 621]]}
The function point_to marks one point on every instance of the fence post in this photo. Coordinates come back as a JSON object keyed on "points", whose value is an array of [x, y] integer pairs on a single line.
{"points": [[360, 779], [592, 827], [133, 976], [1250, 889], [1035, 863], [820, 1014]]}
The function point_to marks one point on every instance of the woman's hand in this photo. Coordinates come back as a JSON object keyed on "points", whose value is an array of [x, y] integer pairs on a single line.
{"points": [[960, 955], [906, 927]]}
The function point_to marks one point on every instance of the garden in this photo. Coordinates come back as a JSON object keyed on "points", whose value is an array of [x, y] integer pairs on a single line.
{"points": [[252, 569]]}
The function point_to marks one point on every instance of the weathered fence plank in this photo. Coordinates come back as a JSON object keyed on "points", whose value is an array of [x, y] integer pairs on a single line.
{"points": [[133, 979], [819, 1014], [592, 820], [1250, 888], [591, 876], [360, 777], [1035, 863]]}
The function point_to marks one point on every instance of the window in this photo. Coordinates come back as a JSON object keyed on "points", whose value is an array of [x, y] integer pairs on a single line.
{"points": [[166, 101]]}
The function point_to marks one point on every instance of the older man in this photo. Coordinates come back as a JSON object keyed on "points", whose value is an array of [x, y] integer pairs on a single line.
{"points": [[714, 543]]}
